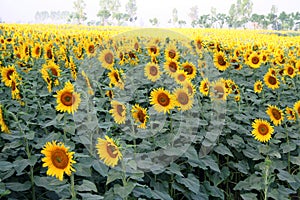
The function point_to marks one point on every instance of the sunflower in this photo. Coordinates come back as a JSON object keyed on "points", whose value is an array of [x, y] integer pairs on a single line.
{"points": [[262, 130], [180, 77], [162, 100], [73, 69], [271, 81], [218, 90], [190, 69], [254, 60], [108, 151], [6, 73], [4, 127], [190, 87], [171, 67], [198, 43], [109, 94], [275, 114], [184, 100], [36, 51], [107, 59], [297, 108], [48, 51], [152, 71], [118, 112], [115, 79], [51, 71], [220, 61], [58, 159], [15, 92], [67, 100], [297, 65], [90, 49], [258, 86], [171, 52], [204, 87], [153, 50], [290, 113], [87, 81], [139, 115], [289, 70]]}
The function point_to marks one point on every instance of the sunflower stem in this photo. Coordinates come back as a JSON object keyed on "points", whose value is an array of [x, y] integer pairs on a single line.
{"points": [[288, 143], [266, 177], [72, 187]]}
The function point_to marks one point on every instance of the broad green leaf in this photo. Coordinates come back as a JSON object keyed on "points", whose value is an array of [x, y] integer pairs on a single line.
{"points": [[100, 167], [213, 190], [249, 196], [223, 150], [161, 195], [87, 186], [124, 191], [288, 147], [5, 166], [20, 165], [113, 175], [191, 182], [285, 176], [174, 169], [211, 163], [19, 187], [88, 196], [252, 182]]}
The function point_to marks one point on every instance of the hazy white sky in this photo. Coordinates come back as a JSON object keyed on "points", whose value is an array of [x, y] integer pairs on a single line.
{"points": [[24, 10]]}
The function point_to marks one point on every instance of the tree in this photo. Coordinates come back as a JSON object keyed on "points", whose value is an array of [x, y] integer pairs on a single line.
{"points": [[109, 11], [257, 19], [244, 10], [131, 9], [221, 19], [154, 21], [79, 15], [174, 19], [193, 15], [232, 17]]}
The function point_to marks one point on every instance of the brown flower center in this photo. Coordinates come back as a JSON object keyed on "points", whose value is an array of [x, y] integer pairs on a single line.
{"points": [[272, 80], [67, 98], [49, 54], [37, 51], [109, 58], [91, 48], [120, 110], [255, 60], [60, 159], [290, 71], [153, 71], [141, 116], [9, 73], [183, 98], [188, 69], [199, 45], [172, 53], [173, 67], [54, 71], [219, 91], [263, 129], [221, 61], [110, 150], [181, 77], [153, 49], [276, 114], [116, 76], [163, 99]]}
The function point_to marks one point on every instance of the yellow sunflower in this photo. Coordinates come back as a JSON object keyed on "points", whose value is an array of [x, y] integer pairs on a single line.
{"points": [[289, 70], [36, 51], [220, 61], [171, 67], [271, 81], [190, 69], [258, 86], [67, 100], [275, 114], [204, 87], [108, 151], [162, 100], [139, 115], [58, 159], [107, 59], [115, 79], [180, 77], [218, 90], [184, 100], [290, 113], [262, 130], [48, 51], [6, 73], [118, 112], [4, 127], [109, 94], [171, 52], [90, 48], [153, 49], [254, 60], [297, 108], [152, 71], [87, 81], [190, 87], [51, 71], [15, 92]]}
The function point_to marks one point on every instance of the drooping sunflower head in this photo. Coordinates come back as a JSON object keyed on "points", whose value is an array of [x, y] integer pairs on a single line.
{"points": [[115, 79], [171, 67], [204, 87], [271, 81], [152, 71], [140, 116], [118, 112], [108, 151], [258, 86], [4, 127], [218, 90], [290, 114], [162, 100], [51, 71], [262, 130], [275, 114], [220, 61], [58, 159], [107, 59], [67, 99], [184, 101], [190, 69]]}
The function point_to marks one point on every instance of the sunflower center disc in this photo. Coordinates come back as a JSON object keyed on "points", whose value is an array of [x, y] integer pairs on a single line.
{"points": [[108, 58], [153, 71], [60, 159], [67, 99], [110, 150], [263, 129], [163, 99], [276, 114]]}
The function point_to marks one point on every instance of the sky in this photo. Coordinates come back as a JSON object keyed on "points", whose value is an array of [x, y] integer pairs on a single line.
{"points": [[23, 11]]}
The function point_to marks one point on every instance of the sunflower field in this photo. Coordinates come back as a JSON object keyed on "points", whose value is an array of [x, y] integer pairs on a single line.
{"points": [[91, 112]]}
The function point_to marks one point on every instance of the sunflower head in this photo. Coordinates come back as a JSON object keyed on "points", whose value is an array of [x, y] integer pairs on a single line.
{"points": [[275, 114], [107, 59], [152, 71], [140, 115], [171, 67], [297, 108], [218, 90], [190, 70], [162, 100], [290, 114], [108, 151], [6, 73], [262, 130], [220, 61], [258, 86], [184, 101], [271, 81], [204, 87], [58, 159], [118, 112]]}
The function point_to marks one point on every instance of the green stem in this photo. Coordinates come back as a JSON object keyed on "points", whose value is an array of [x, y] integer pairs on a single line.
{"points": [[288, 143], [266, 177], [72, 187]]}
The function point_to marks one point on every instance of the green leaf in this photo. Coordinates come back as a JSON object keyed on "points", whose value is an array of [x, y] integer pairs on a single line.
{"points": [[20, 165], [213, 190], [174, 169], [236, 142], [191, 182], [100, 167], [88, 196], [5, 166], [211, 163], [249, 196], [193, 157], [87, 186], [223, 150], [295, 160], [288, 147], [19, 187], [242, 166], [113, 175], [160, 195], [124, 191], [51, 183], [285, 176], [252, 182]]}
